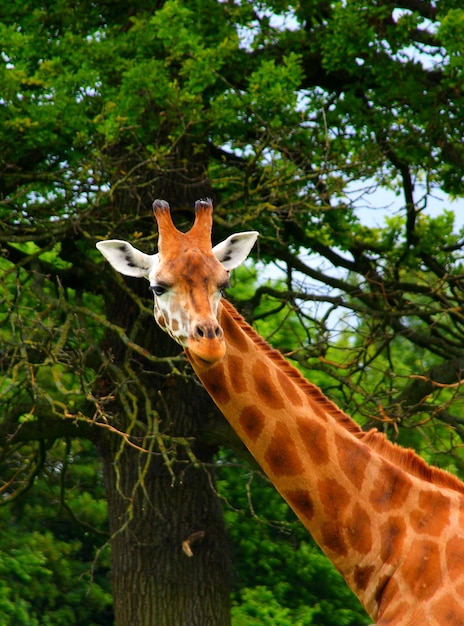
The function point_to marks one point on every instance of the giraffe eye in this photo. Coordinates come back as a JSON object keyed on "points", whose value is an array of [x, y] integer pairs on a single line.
{"points": [[158, 290]]}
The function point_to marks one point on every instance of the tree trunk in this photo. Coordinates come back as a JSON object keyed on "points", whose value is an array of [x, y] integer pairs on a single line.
{"points": [[169, 551], [169, 562]]}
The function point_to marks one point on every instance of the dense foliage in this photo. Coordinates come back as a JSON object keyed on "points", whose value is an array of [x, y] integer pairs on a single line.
{"points": [[297, 118], [50, 572]]}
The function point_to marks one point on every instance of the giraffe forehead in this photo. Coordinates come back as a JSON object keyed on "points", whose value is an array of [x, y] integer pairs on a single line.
{"points": [[191, 268]]}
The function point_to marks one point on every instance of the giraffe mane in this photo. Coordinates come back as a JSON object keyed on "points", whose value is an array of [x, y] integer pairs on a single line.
{"points": [[404, 458]]}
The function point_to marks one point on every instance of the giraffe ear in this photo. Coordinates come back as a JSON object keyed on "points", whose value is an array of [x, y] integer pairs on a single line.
{"points": [[234, 250], [126, 259]]}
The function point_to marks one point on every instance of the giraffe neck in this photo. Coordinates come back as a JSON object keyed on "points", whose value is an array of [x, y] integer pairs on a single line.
{"points": [[389, 523]]}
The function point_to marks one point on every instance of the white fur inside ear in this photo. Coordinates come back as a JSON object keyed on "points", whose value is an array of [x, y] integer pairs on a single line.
{"points": [[126, 259], [234, 250]]}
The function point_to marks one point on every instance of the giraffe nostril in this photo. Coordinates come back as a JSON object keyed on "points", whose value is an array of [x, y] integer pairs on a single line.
{"points": [[207, 330]]}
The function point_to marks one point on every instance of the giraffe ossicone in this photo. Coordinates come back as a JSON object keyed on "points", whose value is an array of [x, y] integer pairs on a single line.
{"points": [[392, 525]]}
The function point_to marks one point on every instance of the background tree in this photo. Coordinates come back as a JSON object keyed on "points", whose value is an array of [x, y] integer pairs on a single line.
{"points": [[290, 117], [44, 555]]}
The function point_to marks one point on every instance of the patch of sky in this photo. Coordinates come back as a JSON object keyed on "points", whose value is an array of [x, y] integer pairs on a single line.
{"points": [[281, 21], [372, 203], [422, 51]]}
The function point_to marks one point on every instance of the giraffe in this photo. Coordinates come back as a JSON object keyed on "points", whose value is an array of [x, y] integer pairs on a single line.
{"points": [[391, 524]]}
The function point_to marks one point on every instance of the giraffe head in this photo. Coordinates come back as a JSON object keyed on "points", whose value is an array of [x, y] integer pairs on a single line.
{"points": [[186, 276]]}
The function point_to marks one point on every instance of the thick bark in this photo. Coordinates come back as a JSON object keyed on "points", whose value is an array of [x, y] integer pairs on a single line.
{"points": [[169, 563], [169, 551]]}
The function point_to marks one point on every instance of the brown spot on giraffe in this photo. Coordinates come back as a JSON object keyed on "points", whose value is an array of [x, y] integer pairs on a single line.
{"points": [[234, 334], [252, 421], [334, 497], [445, 614], [353, 459], [314, 437], [215, 382], [174, 325], [290, 390], [454, 555], [420, 569], [391, 488], [265, 388], [281, 454], [300, 501], [335, 501], [433, 514], [236, 374], [392, 534], [359, 530], [332, 535], [161, 321], [363, 575]]}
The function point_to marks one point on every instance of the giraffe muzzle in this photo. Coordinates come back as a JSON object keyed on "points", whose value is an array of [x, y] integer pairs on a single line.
{"points": [[207, 330], [206, 341]]}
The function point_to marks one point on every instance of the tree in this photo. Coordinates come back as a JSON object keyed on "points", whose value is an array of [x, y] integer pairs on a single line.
{"points": [[335, 109], [69, 372], [49, 573], [289, 115]]}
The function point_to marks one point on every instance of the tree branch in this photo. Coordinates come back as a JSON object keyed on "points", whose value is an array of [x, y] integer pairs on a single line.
{"points": [[447, 374]]}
